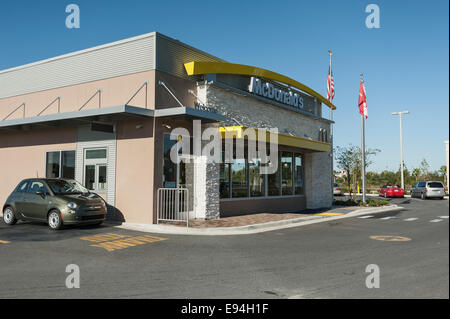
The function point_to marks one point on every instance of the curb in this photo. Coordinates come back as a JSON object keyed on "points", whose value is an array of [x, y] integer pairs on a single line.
{"points": [[252, 229]]}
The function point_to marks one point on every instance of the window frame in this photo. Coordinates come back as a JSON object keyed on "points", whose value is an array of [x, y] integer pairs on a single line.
{"points": [[96, 162], [294, 153], [60, 158]]}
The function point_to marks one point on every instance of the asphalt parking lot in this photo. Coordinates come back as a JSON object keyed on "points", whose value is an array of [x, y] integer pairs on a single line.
{"points": [[325, 260]]}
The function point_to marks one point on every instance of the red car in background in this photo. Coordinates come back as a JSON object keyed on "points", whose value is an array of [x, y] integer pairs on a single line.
{"points": [[391, 191]]}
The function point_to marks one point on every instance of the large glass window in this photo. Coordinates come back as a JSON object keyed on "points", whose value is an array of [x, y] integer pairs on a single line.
{"points": [[60, 164], [243, 178], [298, 174], [273, 183], [224, 178], [53, 164], [256, 179], [68, 164], [286, 173], [239, 186]]}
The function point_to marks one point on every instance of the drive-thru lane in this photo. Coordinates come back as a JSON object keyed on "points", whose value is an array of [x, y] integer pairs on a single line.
{"points": [[325, 260]]}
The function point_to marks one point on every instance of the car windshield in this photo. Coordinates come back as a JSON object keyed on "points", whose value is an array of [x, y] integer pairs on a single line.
{"points": [[435, 185], [59, 186]]}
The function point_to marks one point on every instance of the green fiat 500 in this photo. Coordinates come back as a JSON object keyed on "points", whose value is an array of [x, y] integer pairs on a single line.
{"points": [[55, 201]]}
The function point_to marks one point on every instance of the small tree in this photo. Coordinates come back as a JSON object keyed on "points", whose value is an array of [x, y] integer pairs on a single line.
{"points": [[416, 174], [349, 158], [424, 169]]}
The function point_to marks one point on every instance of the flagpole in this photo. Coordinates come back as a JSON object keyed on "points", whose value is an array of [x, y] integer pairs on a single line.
{"points": [[363, 157], [331, 110], [331, 142]]}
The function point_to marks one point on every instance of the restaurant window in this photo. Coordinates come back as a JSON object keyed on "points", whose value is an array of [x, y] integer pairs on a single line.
{"points": [[224, 178], [286, 173], [273, 183], [256, 179], [239, 185], [60, 164], [298, 174], [95, 169]]}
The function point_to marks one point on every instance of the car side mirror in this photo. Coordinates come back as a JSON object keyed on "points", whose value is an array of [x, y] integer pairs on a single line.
{"points": [[41, 193]]}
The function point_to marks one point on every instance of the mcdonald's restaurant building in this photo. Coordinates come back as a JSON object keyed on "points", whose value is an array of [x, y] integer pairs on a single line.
{"points": [[103, 116]]}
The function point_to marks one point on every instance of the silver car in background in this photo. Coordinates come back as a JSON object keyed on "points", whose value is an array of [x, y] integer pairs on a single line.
{"points": [[337, 190], [430, 189]]}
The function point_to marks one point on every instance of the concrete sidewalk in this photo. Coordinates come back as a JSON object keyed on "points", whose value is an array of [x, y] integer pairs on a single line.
{"points": [[326, 216]]}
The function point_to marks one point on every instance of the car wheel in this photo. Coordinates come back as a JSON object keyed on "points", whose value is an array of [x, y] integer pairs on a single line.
{"points": [[54, 220], [423, 196], [8, 216]]}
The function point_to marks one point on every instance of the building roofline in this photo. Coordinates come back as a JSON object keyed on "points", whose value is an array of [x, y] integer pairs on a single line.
{"points": [[98, 47], [102, 46]]}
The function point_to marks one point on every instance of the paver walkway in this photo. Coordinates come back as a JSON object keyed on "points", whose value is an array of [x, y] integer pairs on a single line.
{"points": [[259, 218]]}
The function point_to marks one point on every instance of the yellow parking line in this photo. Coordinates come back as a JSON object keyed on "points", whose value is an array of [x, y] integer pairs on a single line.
{"points": [[128, 242], [104, 237], [330, 214], [111, 241], [4, 242]]}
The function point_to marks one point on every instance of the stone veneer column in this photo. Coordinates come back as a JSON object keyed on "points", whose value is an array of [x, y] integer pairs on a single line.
{"points": [[206, 188], [318, 180]]}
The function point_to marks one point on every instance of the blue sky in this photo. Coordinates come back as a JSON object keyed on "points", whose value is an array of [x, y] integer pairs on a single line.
{"points": [[405, 62]]}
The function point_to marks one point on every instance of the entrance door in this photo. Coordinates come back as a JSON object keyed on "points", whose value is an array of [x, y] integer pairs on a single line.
{"points": [[174, 174]]}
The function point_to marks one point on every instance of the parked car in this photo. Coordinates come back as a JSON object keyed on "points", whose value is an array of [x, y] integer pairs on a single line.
{"points": [[337, 190], [430, 189], [55, 201], [391, 191]]}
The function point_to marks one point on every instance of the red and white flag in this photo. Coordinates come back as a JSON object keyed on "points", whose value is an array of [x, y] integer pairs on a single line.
{"points": [[362, 101], [330, 85]]}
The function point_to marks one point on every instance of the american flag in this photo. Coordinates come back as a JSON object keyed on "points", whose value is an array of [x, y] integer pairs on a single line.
{"points": [[330, 85]]}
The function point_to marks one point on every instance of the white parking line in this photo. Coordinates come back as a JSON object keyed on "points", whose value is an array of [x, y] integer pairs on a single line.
{"points": [[436, 220], [443, 216], [410, 219], [367, 216], [389, 217]]}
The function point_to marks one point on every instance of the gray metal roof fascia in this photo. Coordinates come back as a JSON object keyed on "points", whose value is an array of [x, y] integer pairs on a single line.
{"points": [[79, 114], [102, 46], [174, 111], [99, 47], [186, 45]]}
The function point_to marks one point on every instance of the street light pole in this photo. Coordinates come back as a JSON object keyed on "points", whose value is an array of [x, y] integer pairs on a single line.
{"points": [[401, 145]]}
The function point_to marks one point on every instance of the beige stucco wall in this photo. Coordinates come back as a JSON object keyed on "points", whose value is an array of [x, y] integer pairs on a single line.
{"points": [[22, 154], [135, 170], [115, 91]]}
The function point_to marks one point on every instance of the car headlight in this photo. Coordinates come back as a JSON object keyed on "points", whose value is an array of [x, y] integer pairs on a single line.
{"points": [[72, 205]]}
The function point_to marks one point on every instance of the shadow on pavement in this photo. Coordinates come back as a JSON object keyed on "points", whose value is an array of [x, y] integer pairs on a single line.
{"points": [[32, 231]]}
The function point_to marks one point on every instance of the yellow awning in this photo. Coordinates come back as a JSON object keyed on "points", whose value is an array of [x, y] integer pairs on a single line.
{"points": [[199, 67], [283, 139]]}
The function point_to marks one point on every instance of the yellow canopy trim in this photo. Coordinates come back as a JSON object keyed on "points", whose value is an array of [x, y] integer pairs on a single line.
{"points": [[283, 139], [198, 67]]}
